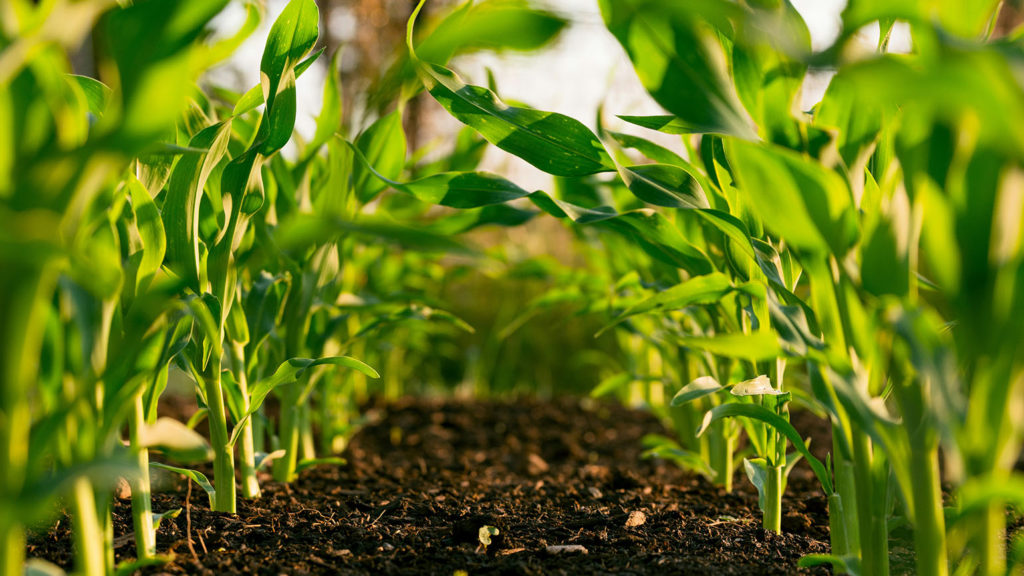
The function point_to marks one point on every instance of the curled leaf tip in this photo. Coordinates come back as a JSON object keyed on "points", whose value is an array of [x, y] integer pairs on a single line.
{"points": [[759, 386], [409, 28]]}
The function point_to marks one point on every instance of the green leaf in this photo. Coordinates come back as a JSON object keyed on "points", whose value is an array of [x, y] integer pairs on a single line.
{"points": [[800, 200], [554, 143], [150, 44], [790, 323], [129, 567], [735, 409], [329, 120], [288, 372], [181, 206], [198, 477], [485, 533], [849, 565], [758, 386], [611, 384], [223, 49], [151, 232], [658, 446], [291, 38], [680, 61], [699, 388], [264, 459], [383, 147], [706, 289], [159, 517], [967, 19], [652, 231], [462, 190], [885, 266], [327, 460], [97, 94], [176, 441], [303, 231], [666, 124], [483, 25], [757, 346], [665, 185], [757, 470], [253, 97]]}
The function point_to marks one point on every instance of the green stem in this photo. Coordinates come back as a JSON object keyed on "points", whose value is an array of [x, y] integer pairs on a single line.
{"points": [[223, 455], [721, 446], [246, 446], [845, 479], [90, 556], [988, 533], [142, 509], [874, 535], [288, 433], [12, 546], [929, 522], [838, 535], [25, 292], [307, 444], [772, 513]]}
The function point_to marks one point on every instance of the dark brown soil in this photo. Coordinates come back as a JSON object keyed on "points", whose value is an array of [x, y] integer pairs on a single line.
{"points": [[424, 476]]}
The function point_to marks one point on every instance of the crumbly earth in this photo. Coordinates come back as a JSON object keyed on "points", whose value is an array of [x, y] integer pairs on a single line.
{"points": [[424, 476]]}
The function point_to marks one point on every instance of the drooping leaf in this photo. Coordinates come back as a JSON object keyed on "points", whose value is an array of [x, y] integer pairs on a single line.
{"points": [[665, 185], [805, 203], [699, 388], [176, 441], [652, 231], [462, 190], [756, 412], [680, 60], [383, 146], [706, 289], [757, 346], [194, 475], [97, 94], [552, 142], [288, 372], [657, 446], [666, 124]]}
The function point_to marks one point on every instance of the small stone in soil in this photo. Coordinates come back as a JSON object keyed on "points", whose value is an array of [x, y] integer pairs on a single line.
{"points": [[636, 518]]}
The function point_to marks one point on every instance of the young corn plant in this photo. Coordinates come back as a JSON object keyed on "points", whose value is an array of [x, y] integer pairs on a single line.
{"points": [[60, 203]]}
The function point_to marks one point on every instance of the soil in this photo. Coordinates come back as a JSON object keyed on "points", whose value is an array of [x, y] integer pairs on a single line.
{"points": [[424, 476]]}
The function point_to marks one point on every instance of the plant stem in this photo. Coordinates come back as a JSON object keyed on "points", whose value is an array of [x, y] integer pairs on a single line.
{"points": [[838, 535], [246, 447], [288, 434], [988, 533], [90, 556], [24, 301], [142, 518], [845, 479], [772, 513], [929, 522], [721, 446], [874, 534], [223, 456], [12, 547], [307, 445]]}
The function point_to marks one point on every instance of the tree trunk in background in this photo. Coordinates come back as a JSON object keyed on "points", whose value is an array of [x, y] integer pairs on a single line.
{"points": [[1010, 16]]}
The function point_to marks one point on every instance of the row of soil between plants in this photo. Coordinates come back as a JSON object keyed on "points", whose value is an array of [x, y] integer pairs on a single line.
{"points": [[559, 487]]}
